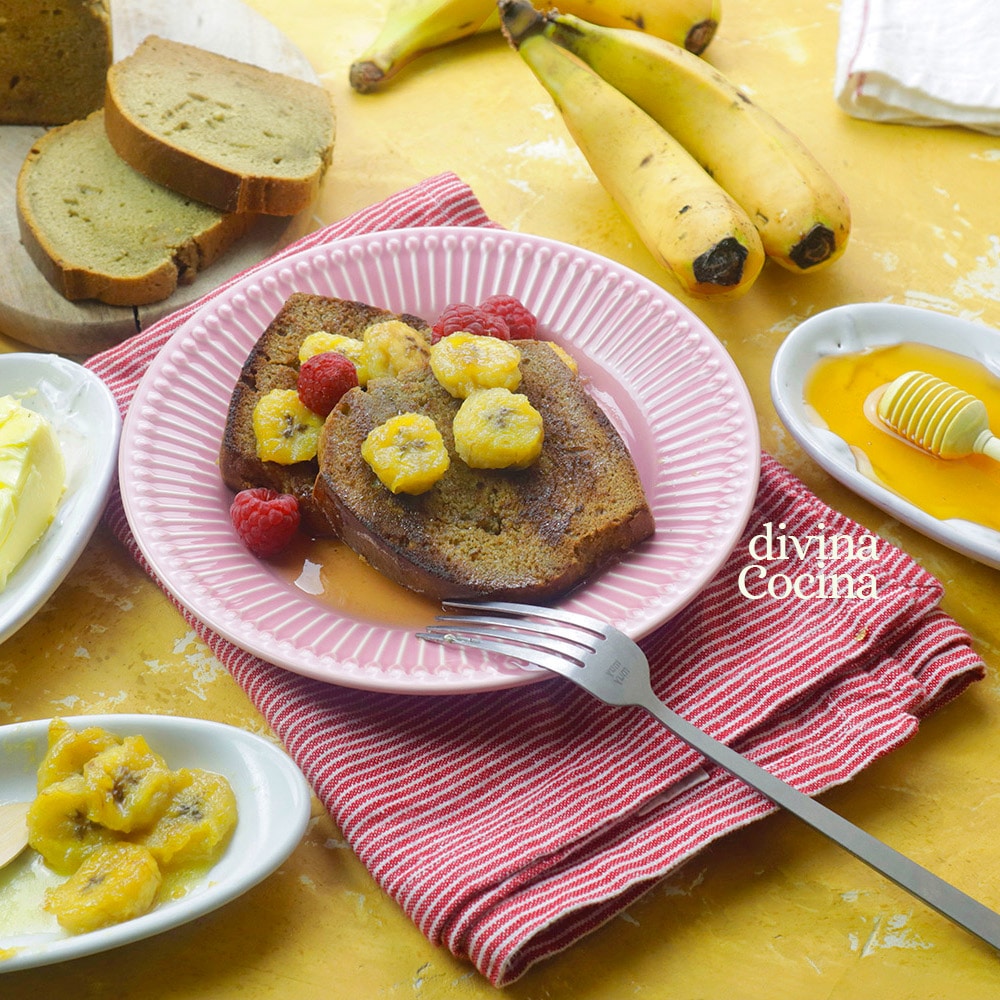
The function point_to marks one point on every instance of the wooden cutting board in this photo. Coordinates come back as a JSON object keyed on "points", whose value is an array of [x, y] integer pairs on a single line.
{"points": [[31, 310]]}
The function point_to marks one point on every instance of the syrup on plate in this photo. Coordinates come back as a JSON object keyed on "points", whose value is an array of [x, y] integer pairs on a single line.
{"points": [[333, 573]]}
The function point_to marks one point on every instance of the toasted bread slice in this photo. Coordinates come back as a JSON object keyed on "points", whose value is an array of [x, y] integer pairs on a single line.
{"points": [[273, 363], [525, 535], [227, 133]]}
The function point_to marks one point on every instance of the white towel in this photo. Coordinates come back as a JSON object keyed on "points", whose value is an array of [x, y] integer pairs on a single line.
{"points": [[920, 62]]}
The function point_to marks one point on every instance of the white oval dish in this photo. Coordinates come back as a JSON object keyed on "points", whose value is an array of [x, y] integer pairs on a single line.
{"points": [[853, 328], [273, 801], [87, 423], [661, 376]]}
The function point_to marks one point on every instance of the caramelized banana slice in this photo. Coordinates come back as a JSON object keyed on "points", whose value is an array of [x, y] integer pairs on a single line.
{"points": [[129, 785], [60, 827], [407, 453], [392, 347], [197, 820], [69, 750], [497, 429], [116, 883], [465, 362], [287, 431]]}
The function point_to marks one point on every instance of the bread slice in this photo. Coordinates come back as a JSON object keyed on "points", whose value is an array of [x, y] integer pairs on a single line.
{"points": [[54, 58], [227, 133], [528, 535], [273, 363], [97, 229]]}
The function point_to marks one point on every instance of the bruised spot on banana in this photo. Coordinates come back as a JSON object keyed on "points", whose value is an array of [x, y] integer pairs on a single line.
{"points": [[801, 213], [414, 27], [692, 227]]}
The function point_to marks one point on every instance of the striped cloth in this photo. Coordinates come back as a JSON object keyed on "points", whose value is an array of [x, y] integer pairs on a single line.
{"points": [[508, 825]]}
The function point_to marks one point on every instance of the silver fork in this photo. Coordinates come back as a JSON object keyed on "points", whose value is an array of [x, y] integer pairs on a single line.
{"points": [[604, 661]]}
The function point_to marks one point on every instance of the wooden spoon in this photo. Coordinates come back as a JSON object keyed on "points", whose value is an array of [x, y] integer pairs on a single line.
{"points": [[13, 830], [938, 417]]}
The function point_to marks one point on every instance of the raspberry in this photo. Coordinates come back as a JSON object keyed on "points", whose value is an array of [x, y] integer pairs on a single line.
{"points": [[265, 519], [323, 379], [519, 319], [469, 319]]}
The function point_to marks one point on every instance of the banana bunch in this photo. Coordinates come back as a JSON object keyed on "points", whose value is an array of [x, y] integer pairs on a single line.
{"points": [[413, 27], [802, 215], [693, 227]]}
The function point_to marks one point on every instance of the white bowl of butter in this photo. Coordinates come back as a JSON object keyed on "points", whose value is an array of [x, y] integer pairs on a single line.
{"points": [[59, 433]]}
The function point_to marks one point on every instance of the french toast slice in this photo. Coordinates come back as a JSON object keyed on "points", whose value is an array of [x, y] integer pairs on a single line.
{"points": [[526, 535], [273, 363]]}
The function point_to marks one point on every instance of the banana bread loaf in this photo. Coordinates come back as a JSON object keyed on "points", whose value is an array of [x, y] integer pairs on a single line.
{"points": [[97, 229], [54, 58], [224, 132]]}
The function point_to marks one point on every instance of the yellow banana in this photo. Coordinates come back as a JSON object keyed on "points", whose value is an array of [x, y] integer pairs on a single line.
{"points": [[412, 27], [689, 224], [802, 214], [688, 23]]}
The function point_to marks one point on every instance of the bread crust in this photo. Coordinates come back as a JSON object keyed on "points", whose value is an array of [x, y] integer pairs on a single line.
{"points": [[187, 252], [213, 178]]}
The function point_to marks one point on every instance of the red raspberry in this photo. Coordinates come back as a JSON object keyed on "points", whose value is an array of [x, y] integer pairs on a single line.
{"points": [[265, 519], [323, 379], [519, 319], [462, 317]]}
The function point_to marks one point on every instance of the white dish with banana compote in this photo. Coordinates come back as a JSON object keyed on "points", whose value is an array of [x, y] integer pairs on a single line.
{"points": [[273, 805]]}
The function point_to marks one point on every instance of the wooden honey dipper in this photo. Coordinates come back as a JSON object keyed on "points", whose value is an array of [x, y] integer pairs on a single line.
{"points": [[937, 416]]}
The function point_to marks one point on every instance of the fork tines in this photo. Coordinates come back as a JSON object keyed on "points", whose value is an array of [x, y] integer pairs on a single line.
{"points": [[520, 631]]}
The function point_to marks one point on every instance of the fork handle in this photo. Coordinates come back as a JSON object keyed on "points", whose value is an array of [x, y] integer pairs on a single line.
{"points": [[907, 874]]}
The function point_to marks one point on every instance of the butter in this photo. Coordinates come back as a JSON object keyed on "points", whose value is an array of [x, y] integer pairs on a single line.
{"points": [[32, 481]]}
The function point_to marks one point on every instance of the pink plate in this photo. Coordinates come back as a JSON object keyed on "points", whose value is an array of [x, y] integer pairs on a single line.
{"points": [[665, 381]]}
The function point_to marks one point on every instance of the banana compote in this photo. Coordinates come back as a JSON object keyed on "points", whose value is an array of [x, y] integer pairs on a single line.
{"points": [[117, 830], [844, 389]]}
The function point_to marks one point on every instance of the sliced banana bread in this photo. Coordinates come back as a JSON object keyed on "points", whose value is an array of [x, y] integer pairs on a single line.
{"points": [[273, 363], [97, 229], [54, 57], [227, 133], [525, 535]]}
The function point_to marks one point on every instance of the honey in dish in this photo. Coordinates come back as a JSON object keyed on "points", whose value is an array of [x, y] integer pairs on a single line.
{"points": [[843, 391], [334, 574]]}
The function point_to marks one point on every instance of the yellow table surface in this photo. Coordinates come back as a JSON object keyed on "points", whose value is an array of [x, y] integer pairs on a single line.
{"points": [[773, 911]]}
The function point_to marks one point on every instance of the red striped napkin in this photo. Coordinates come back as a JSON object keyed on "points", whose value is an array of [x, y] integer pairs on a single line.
{"points": [[509, 824]]}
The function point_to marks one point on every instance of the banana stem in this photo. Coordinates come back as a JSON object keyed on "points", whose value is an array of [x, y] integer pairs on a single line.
{"points": [[519, 20]]}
